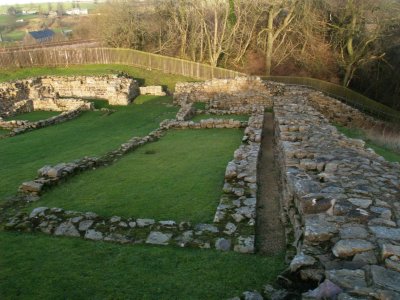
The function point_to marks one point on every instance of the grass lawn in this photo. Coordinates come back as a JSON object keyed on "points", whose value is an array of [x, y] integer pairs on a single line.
{"points": [[145, 77], [382, 151], [92, 133], [3, 131], [197, 118], [179, 177], [15, 35], [35, 115], [44, 267]]}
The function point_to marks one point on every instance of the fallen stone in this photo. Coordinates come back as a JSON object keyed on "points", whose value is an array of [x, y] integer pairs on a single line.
{"points": [[245, 244], [386, 279], [158, 238], [301, 260], [347, 279], [66, 229], [223, 244], [115, 219], [252, 296], [93, 235], [345, 248], [38, 212]]}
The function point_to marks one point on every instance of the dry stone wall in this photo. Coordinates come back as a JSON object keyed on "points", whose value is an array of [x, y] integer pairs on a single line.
{"points": [[240, 95], [343, 203]]}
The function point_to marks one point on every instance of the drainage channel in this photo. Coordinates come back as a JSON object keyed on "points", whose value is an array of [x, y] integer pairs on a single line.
{"points": [[270, 232]]}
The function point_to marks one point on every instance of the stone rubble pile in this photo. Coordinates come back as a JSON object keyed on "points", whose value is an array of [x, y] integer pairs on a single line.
{"points": [[343, 202]]}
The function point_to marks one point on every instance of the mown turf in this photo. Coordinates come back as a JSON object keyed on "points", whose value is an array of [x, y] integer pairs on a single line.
{"points": [[180, 177], [42, 267], [34, 116], [3, 131], [355, 133], [91, 134], [145, 77], [198, 118]]}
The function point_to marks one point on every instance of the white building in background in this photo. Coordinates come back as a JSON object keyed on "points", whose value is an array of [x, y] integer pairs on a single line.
{"points": [[77, 11]]}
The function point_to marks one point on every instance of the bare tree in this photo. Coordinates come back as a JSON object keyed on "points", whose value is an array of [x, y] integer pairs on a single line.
{"points": [[357, 26], [279, 15]]}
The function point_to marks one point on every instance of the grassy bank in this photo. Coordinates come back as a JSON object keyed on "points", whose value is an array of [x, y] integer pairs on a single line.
{"points": [[356, 133]]}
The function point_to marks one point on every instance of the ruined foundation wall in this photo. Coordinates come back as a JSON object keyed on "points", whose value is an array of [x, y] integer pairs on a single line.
{"points": [[15, 96]]}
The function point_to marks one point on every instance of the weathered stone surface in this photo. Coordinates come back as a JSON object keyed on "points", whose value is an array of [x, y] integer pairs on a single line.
{"points": [[390, 250], [386, 279], [67, 229], [318, 229], [393, 263], [365, 258], [252, 295], [85, 225], [386, 232], [360, 202], [158, 238], [353, 232], [347, 279], [206, 228], [301, 260], [245, 244], [144, 222], [345, 248], [326, 290], [31, 186], [223, 244], [93, 235], [38, 212]]}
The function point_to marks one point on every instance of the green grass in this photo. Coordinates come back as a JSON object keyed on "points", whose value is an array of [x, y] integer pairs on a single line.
{"points": [[3, 131], [93, 133], [180, 177], [145, 77], [15, 35], [197, 118], [43, 267], [35, 116], [355, 133]]}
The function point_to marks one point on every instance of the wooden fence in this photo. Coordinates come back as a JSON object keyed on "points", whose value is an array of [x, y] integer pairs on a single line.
{"points": [[79, 56]]}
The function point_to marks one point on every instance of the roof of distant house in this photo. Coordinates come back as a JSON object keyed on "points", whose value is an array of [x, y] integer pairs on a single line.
{"points": [[42, 34]]}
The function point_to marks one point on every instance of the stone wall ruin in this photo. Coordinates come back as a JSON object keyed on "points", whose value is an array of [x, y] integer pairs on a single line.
{"points": [[18, 96]]}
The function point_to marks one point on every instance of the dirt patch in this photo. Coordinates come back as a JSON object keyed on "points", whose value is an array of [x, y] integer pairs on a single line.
{"points": [[270, 233]]}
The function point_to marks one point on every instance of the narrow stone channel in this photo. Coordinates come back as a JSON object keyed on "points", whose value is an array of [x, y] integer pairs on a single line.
{"points": [[270, 233]]}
